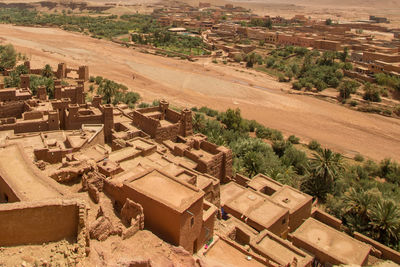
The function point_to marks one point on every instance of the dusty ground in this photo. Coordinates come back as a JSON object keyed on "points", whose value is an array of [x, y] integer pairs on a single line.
{"points": [[217, 86]]}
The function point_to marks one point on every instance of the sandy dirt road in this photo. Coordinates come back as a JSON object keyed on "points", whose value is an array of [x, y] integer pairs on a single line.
{"points": [[217, 86]]}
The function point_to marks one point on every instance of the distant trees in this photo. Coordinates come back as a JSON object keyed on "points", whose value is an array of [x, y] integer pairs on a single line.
{"points": [[8, 57], [347, 88], [372, 93], [114, 93], [328, 21]]}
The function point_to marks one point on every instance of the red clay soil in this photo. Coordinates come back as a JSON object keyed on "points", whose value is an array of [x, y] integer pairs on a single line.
{"points": [[218, 86]]}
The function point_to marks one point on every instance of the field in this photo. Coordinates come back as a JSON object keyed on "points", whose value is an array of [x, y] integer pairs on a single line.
{"points": [[215, 85]]}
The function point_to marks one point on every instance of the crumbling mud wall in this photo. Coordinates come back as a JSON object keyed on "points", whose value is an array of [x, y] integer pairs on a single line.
{"points": [[39, 222]]}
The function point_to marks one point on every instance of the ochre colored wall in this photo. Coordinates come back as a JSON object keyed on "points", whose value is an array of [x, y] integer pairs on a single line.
{"points": [[27, 223]]}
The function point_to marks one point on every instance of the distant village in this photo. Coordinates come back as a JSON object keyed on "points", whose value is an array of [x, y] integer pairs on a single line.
{"points": [[222, 27]]}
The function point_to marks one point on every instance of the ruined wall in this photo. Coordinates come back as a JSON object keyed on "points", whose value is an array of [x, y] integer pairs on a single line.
{"points": [[167, 133], [159, 218], [74, 121], [52, 156], [359, 76], [172, 116], [148, 125], [38, 222], [12, 109]]}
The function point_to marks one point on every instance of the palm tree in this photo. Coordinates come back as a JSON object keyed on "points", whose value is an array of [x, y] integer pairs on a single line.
{"points": [[108, 89], [325, 166], [198, 122], [356, 207], [385, 221], [47, 71]]}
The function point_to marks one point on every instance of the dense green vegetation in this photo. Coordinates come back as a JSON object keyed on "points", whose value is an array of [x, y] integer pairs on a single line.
{"points": [[164, 39], [8, 57], [98, 26], [146, 29], [350, 190], [113, 92], [311, 69]]}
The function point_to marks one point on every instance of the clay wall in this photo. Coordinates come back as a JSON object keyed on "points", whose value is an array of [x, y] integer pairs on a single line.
{"points": [[147, 110], [227, 163], [167, 133], [241, 179], [386, 252], [12, 109], [357, 75], [52, 156], [7, 94], [384, 67], [108, 121], [36, 71], [327, 219], [370, 56], [74, 120], [32, 115], [31, 126], [75, 94], [299, 216], [158, 217], [7, 195], [148, 125], [327, 45], [191, 227], [207, 231], [255, 34], [38, 222], [172, 116]]}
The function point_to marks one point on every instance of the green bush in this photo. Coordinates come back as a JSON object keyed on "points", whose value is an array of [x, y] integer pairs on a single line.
{"points": [[297, 86], [293, 139], [371, 93], [314, 145], [359, 158], [8, 57]]}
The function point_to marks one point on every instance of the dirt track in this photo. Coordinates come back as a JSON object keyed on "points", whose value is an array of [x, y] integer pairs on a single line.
{"points": [[217, 86]]}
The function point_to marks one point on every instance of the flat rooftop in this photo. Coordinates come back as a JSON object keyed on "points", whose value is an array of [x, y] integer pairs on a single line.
{"points": [[252, 204], [223, 253], [166, 189], [290, 198], [339, 245], [20, 174], [281, 251], [260, 181]]}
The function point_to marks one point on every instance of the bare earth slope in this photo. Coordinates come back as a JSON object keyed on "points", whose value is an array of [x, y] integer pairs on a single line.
{"points": [[217, 86]]}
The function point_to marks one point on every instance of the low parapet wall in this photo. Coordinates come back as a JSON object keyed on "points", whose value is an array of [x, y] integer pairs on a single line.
{"points": [[327, 219], [386, 253], [39, 222]]}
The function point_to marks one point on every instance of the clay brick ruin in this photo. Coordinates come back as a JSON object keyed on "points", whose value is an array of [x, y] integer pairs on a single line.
{"points": [[88, 171]]}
